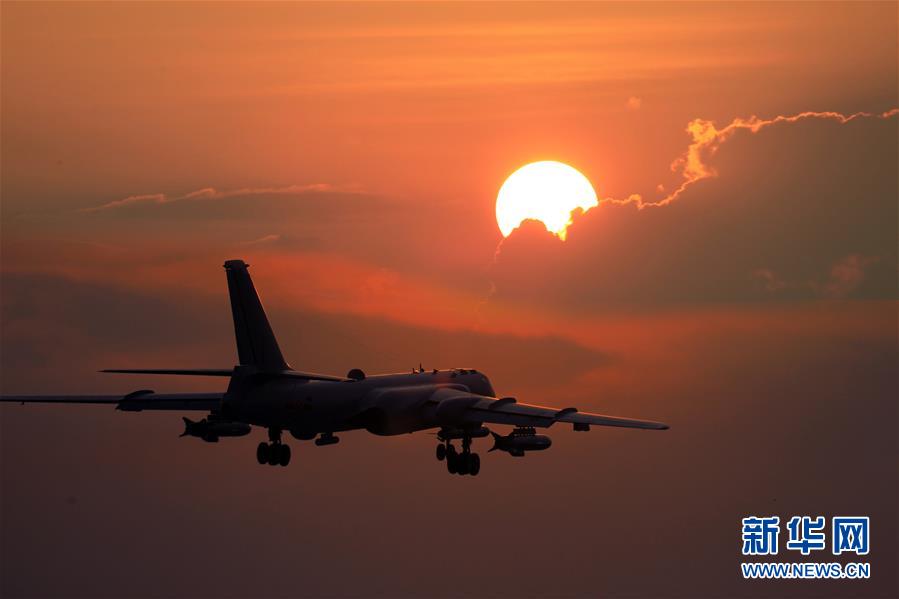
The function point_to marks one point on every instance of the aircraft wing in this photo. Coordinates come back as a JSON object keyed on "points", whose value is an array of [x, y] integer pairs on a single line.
{"points": [[477, 408], [133, 402], [295, 374]]}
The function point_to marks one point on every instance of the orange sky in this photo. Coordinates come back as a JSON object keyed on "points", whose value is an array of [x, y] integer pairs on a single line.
{"points": [[352, 154], [419, 111], [428, 100]]}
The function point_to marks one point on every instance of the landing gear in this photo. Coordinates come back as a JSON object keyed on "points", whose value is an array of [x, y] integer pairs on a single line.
{"points": [[462, 466], [262, 453], [462, 463], [283, 454], [474, 464], [274, 453]]}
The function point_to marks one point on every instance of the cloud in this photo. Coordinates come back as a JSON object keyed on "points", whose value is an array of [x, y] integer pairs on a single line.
{"points": [[263, 240], [693, 165], [847, 274], [210, 193], [769, 280], [797, 214], [147, 198], [844, 277], [707, 139]]}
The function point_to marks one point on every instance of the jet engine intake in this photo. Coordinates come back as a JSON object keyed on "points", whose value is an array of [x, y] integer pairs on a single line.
{"points": [[451, 433]]}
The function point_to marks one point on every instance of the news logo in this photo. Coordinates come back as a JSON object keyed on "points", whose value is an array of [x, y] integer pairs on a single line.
{"points": [[805, 535]]}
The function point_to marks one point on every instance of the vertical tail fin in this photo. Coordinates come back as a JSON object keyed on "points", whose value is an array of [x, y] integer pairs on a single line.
{"points": [[256, 344]]}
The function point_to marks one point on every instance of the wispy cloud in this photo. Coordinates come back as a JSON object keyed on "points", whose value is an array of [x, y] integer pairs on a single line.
{"points": [[263, 240], [845, 276], [210, 193]]}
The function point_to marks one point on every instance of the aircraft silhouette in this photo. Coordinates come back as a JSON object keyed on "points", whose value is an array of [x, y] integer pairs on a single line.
{"points": [[265, 391]]}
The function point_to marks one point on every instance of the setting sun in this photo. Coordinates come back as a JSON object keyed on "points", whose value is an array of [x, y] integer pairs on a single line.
{"points": [[547, 191]]}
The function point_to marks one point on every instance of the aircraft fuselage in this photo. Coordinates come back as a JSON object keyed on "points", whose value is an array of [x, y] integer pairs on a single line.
{"points": [[389, 404]]}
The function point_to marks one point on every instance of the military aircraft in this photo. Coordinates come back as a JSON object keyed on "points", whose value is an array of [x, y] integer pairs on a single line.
{"points": [[263, 390]]}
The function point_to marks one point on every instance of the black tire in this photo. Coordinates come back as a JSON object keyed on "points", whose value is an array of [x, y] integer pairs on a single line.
{"points": [[284, 455], [441, 452], [464, 463], [262, 453], [451, 450], [452, 463], [274, 454], [474, 465]]}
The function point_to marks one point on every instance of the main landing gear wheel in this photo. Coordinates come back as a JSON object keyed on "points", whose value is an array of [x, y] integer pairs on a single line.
{"points": [[273, 454], [262, 453], [463, 463], [464, 460], [474, 465], [283, 454]]}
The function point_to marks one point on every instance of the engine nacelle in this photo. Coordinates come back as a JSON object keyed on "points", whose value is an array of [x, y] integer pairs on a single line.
{"points": [[519, 441], [303, 434], [449, 434], [210, 430]]}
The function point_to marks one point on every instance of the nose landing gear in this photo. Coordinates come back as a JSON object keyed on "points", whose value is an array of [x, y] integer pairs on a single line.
{"points": [[274, 453]]}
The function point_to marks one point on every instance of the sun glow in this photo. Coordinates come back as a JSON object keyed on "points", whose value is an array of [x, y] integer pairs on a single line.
{"points": [[547, 191]]}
